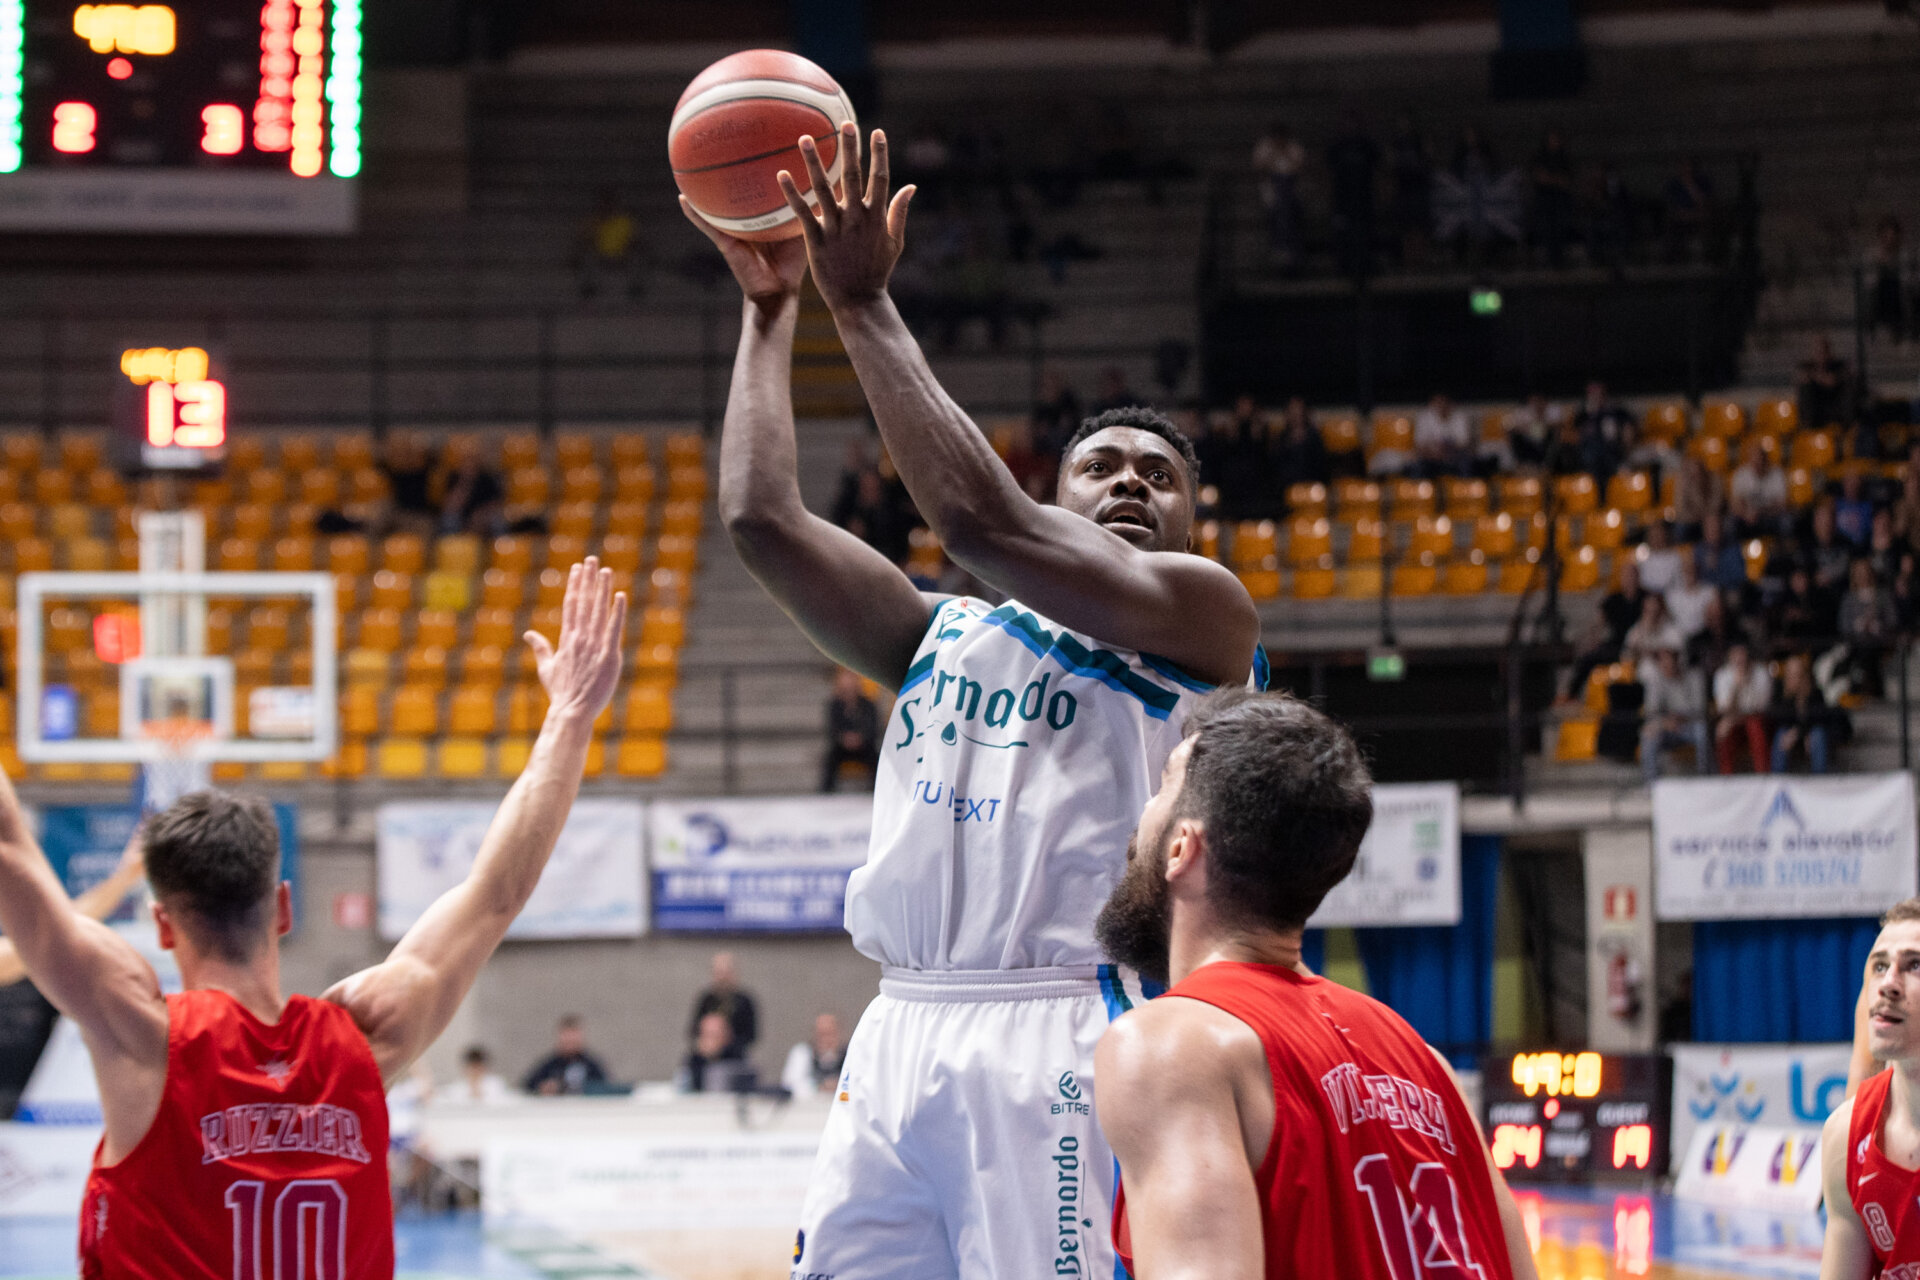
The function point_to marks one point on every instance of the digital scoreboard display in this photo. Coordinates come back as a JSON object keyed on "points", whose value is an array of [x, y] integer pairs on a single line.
{"points": [[204, 115], [170, 407], [1565, 1117]]}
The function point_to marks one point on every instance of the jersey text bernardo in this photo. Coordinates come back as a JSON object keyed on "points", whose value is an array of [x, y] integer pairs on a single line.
{"points": [[261, 1127], [1355, 1097]]}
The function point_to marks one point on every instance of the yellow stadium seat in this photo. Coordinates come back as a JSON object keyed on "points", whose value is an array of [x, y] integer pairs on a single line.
{"points": [[659, 662], [1493, 535], [681, 554], [1630, 491], [1754, 552], [1581, 570], [503, 589], [686, 449], [457, 553], [10, 486], [321, 488], [268, 627], [366, 484], [1361, 581], [580, 484], [661, 624], [1801, 488], [425, 665], [1353, 498], [1254, 541], [437, 628], [370, 667], [353, 451], [473, 708], [633, 484], [1262, 581], [1207, 538], [1340, 433], [1391, 431], [269, 488], [681, 519], [1776, 416], [18, 520], [1577, 494], [404, 553], [238, 555], [299, 453], [293, 554], [70, 520], [641, 757], [415, 710], [100, 713], [401, 758], [1410, 499], [483, 664], [649, 708], [1308, 498], [1432, 536], [1577, 739], [348, 553], [1464, 499], [462, 757], [283, 770], [1665, 421], [1466, 577], [1712, 452], [380, 629], [526, 708], [253, 521], [1309, 539], [1815, 450], [360, 710], [628, 450], [510, 756], [1316, 581], [452, 592], [675, 586], [620, 552], [494, 627], [20, 453], [1417, 577], [1517, 573], [50, 487], [527, 487], [628, 519], [392, 589], [550, 590], [517, 451], [80, 453], [1367, 541], [90, 555], [68, 630], [687, 484], [574, 519], [1607, 529], [564, 551], [1521, 496], [513, 554], [1723, 418], [573, 449]]}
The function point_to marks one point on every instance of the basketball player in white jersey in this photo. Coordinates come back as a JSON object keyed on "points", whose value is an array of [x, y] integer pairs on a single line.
{"points": [[1023, 744]]}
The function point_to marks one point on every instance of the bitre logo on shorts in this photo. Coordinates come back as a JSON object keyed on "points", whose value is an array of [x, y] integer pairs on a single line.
{"points": [[1073, 1102], [1069, 1087]]}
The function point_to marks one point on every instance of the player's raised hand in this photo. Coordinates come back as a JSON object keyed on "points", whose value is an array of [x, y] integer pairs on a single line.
{"points": [[853, 240], [768, 270], [580, 672]]}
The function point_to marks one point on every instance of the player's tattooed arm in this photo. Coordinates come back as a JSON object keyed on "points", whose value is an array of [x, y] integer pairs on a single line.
{"points": [[1170, 1084], [404, 1003], [1847, 1253], [1084, 576], [855, 605]]}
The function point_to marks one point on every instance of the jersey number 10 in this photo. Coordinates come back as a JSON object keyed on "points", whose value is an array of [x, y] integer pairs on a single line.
{"points": [[1422, 1238], [309, 1230]]}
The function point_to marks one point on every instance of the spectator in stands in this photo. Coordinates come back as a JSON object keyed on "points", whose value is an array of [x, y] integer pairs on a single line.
{"points": [[813, 1065], [1605, 638], [1825, 387], [1653, 632], [1719, 560], [1742, 693], [1699, 494], [409, 483], [1114, 392], [1056, 414], [1690, 210], [1352, 160], [1826, 554], [714, 1063], [1688, 600], [1799, 718], [1299, 455], [1659, 560], [1759, 488], [1906, 593], [1640, 452], [1906, 508], [1675, 711], [853, 730], [1530, 430], [1891, 305], [1599, 421], [725, 997], [569, 1069], [1411, 212], [1278, 159], [1551, 174], [607, 251], [1869, 623], [1443, 439], [1243, 454], [1854, 512], [874, 513], [1724, 628], [1803, 611], [1883, 550], [479, 1084], [472, 499]]}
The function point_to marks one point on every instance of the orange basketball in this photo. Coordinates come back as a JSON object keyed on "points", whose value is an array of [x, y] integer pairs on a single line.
{"points": [[738, 124]]}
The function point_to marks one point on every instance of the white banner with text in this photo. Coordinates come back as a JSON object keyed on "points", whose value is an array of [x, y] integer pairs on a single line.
{"points": [[770, 865], [1742, 1084], [1408, 871], [1767, 846]]}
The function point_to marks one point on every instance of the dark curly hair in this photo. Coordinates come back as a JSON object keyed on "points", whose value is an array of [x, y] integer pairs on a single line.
{"points": [[1140, 418]]}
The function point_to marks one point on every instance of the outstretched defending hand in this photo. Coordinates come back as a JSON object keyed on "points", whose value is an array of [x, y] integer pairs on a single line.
{"points": [[580, 673], [854, 240], [768, 270]]}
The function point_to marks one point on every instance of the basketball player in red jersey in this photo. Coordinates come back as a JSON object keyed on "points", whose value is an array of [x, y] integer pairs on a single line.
{"points": [[246, 1131], [1269, 1122], [1870, 1147]]}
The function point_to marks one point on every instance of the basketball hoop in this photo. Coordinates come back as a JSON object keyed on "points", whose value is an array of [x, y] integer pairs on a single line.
{"points": [[180, 770]]}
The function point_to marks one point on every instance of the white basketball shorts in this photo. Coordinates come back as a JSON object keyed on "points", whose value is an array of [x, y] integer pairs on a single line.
{"points": [[962, 1140]]}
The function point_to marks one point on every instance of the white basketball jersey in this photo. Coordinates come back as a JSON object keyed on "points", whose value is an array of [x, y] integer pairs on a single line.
{"points": [[1016, 763]]}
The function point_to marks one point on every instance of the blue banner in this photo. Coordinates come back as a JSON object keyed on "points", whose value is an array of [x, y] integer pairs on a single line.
{"points": [[812, 901]]}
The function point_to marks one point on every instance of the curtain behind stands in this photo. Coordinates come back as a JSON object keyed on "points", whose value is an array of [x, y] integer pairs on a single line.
{"points": [[1775, 981], [1440, 978]]}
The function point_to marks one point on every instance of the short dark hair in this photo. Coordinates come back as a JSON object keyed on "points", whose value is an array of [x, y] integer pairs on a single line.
{"points": [[215, 858], [475, 1056], [1140, 418], [1284, 797]]}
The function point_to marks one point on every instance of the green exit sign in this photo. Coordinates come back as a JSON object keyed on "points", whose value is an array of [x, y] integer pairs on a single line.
{"points": [[1386, 664], [1485, 302]]}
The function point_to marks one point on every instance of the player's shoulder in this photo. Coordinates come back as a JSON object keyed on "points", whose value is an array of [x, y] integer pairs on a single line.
{"points": [[1172, 1044], [1837, 1130]]}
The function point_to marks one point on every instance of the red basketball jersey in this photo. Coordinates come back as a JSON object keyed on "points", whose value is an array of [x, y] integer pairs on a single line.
{"points": [[1374, 1170], [1883, 1194], [266, 1161]]}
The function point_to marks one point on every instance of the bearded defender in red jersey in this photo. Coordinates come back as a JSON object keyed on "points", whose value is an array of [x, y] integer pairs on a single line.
{"points": [[246, 1131], [1870, 1147], [1269, 1123]]}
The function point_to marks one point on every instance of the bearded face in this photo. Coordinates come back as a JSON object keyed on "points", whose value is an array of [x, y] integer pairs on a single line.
{"points": [[1134, 927]]}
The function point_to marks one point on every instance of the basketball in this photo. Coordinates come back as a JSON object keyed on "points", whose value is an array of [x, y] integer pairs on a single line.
{"points": [[735, 128]]}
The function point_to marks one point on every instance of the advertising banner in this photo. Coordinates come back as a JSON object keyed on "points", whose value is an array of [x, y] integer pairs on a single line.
{"points": [[84, 843], [641, 1183], [1747, 1084], [1752, 1167], [1408, 871], [762, 865], [1763, 847], [43, 1170], [592, 888]]}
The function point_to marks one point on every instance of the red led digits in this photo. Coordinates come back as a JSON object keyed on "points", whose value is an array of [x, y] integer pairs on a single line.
{"points": [[273, 111], [226, 130], [73, 124]]}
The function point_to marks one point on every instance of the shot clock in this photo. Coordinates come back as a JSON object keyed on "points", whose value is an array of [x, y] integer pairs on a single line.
{"points": [[1577, 1117], [170, 408], [200, 115]]}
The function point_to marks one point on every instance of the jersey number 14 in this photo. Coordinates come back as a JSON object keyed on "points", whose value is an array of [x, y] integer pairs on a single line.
{"points": [[309, 1231], [1420, 1232]]}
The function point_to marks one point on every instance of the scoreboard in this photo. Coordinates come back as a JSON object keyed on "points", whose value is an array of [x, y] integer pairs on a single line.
{"points": [[196, 116], [1553, 1116]]}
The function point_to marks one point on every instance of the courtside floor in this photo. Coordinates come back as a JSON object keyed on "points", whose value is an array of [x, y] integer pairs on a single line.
{"points": [[1597, 1234]]}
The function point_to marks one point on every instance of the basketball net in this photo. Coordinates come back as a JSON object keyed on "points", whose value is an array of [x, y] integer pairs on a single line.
{"points": [[177, 772]]}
